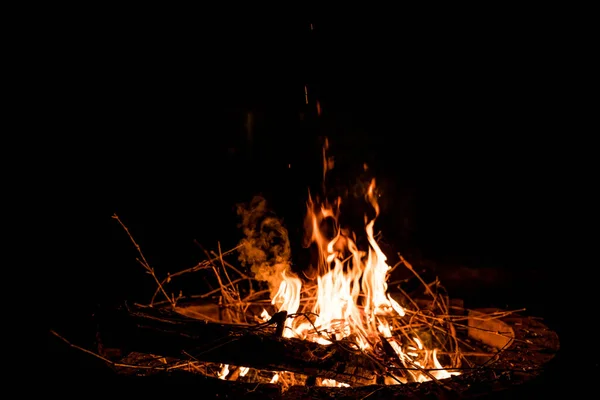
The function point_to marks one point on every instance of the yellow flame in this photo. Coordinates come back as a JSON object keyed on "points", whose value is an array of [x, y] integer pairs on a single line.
{"points": [[287, 297], [275, 378], [264, 315], [341, 281], [224, 371], [333, 383]]}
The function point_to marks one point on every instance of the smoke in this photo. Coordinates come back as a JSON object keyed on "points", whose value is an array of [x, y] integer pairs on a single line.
{"points": [[265, 247]]}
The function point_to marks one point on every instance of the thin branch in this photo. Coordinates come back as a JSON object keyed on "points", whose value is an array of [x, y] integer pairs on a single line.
{"points": [[144, 262], [202, 265], [106, 360]]}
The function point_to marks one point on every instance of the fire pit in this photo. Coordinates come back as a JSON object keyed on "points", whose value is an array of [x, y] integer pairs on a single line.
{"points": [[330, 329]]}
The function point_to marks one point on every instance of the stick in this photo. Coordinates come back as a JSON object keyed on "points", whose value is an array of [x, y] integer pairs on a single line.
{"points": [[144, 263]]}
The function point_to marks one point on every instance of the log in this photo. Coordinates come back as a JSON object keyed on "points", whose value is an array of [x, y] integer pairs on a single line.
{"points": [[165, 332]]}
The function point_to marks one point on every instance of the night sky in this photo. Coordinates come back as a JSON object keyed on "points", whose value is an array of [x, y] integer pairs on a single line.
{"points": [[458, 118]]}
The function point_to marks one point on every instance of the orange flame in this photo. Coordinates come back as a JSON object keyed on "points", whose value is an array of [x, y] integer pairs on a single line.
{"points": [[351, 290]]}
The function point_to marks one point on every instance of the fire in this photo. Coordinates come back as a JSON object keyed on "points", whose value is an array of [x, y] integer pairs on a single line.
{"points": [[352, 300], [366, 336]]}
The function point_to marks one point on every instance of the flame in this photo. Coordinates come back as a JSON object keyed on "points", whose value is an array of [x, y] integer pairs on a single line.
{"points": [[333, 383], [224, 371], [275, 378], [341, 281], [351, 291]]}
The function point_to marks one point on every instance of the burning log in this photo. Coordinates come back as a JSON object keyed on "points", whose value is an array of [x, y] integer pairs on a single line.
{"points": [[168, 333]]}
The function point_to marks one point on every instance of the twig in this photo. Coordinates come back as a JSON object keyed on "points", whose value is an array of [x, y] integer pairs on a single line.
{"points": [[202, 265], [410, 267], [110, 362], [225, 263], [144, 262], [372, 393], [221, 288]]}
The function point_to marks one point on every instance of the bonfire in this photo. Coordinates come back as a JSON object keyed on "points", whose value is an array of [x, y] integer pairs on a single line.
{"points": [[334, 323]]}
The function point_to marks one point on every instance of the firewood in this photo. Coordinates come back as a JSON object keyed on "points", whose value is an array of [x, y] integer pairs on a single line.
{"points": [[168, 333]]}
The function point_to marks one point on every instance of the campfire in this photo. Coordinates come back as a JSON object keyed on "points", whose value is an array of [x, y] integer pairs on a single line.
{"points": [[332, 325]]}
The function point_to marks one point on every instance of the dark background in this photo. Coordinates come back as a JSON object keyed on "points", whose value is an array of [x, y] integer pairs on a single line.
{"points": [[468, 122]]}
